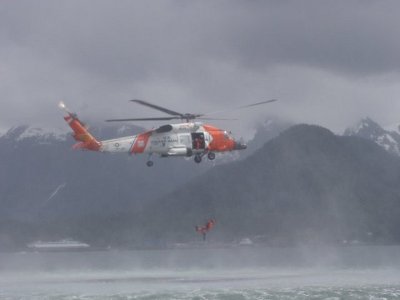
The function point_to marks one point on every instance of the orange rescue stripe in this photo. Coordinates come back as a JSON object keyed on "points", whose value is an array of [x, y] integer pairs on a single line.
{"points": [[141, 142]]}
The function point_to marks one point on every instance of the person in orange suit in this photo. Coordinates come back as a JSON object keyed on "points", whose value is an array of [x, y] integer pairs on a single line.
{"points": [[206, 228]]}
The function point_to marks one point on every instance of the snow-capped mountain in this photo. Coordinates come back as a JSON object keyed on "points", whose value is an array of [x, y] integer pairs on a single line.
{"points": [[369, 129], [20, 133]]}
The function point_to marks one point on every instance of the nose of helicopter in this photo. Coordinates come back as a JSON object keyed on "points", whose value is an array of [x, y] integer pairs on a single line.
{"points": [[239, 146]]}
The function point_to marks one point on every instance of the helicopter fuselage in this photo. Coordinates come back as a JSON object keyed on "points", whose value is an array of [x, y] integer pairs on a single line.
{"points": [[183, 139]]}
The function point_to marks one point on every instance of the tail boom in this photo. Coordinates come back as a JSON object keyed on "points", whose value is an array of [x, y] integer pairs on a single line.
{"points": [[82, 135], [86, 141]]}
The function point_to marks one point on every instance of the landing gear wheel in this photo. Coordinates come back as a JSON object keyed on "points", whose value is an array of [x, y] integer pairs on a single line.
{"points": [[211, 155], [149, 163], [197, 158]]}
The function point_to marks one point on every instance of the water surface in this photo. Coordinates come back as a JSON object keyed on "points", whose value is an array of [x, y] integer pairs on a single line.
{"points": [[356, 272]]}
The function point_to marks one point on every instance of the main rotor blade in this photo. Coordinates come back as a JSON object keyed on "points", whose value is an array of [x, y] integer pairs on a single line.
{"points": [[240, 107], [143, 119], [168, 111], [216, 119]]}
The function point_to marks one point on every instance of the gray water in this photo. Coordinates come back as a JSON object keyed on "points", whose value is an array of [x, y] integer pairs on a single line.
{"points": [[354, 272]]}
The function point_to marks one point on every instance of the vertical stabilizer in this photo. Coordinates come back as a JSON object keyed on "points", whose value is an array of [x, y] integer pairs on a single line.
{"points": [[86, 141]]}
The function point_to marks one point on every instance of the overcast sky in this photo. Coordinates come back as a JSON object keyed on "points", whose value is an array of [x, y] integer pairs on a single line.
{"points": [[328, 62]]}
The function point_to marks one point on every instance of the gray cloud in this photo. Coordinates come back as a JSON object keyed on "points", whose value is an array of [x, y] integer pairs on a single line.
{"points": [[329, 62]]}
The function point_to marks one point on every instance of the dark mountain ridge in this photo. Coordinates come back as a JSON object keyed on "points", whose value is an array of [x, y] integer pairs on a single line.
{"points": [[305, 185], [49, 191], [42, 180]]}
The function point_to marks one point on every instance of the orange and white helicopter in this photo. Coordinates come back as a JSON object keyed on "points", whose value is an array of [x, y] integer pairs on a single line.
{"points": [[182, 139]]}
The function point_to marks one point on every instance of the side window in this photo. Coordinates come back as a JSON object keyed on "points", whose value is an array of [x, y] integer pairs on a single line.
{"points": [[198, 140]]}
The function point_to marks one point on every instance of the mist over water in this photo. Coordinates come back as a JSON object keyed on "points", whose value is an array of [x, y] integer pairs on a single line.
{"points": [[352, 272]]}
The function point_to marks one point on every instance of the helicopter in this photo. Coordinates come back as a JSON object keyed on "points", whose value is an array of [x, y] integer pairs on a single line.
{"points": [[185, 139]]}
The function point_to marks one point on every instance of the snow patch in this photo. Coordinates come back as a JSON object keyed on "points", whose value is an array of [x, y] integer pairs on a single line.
{"points": [[382, 142], [123, 129], [393, 127], [358, 127], [355, 129], [388, 142], [43, 134], [388, 138]]}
